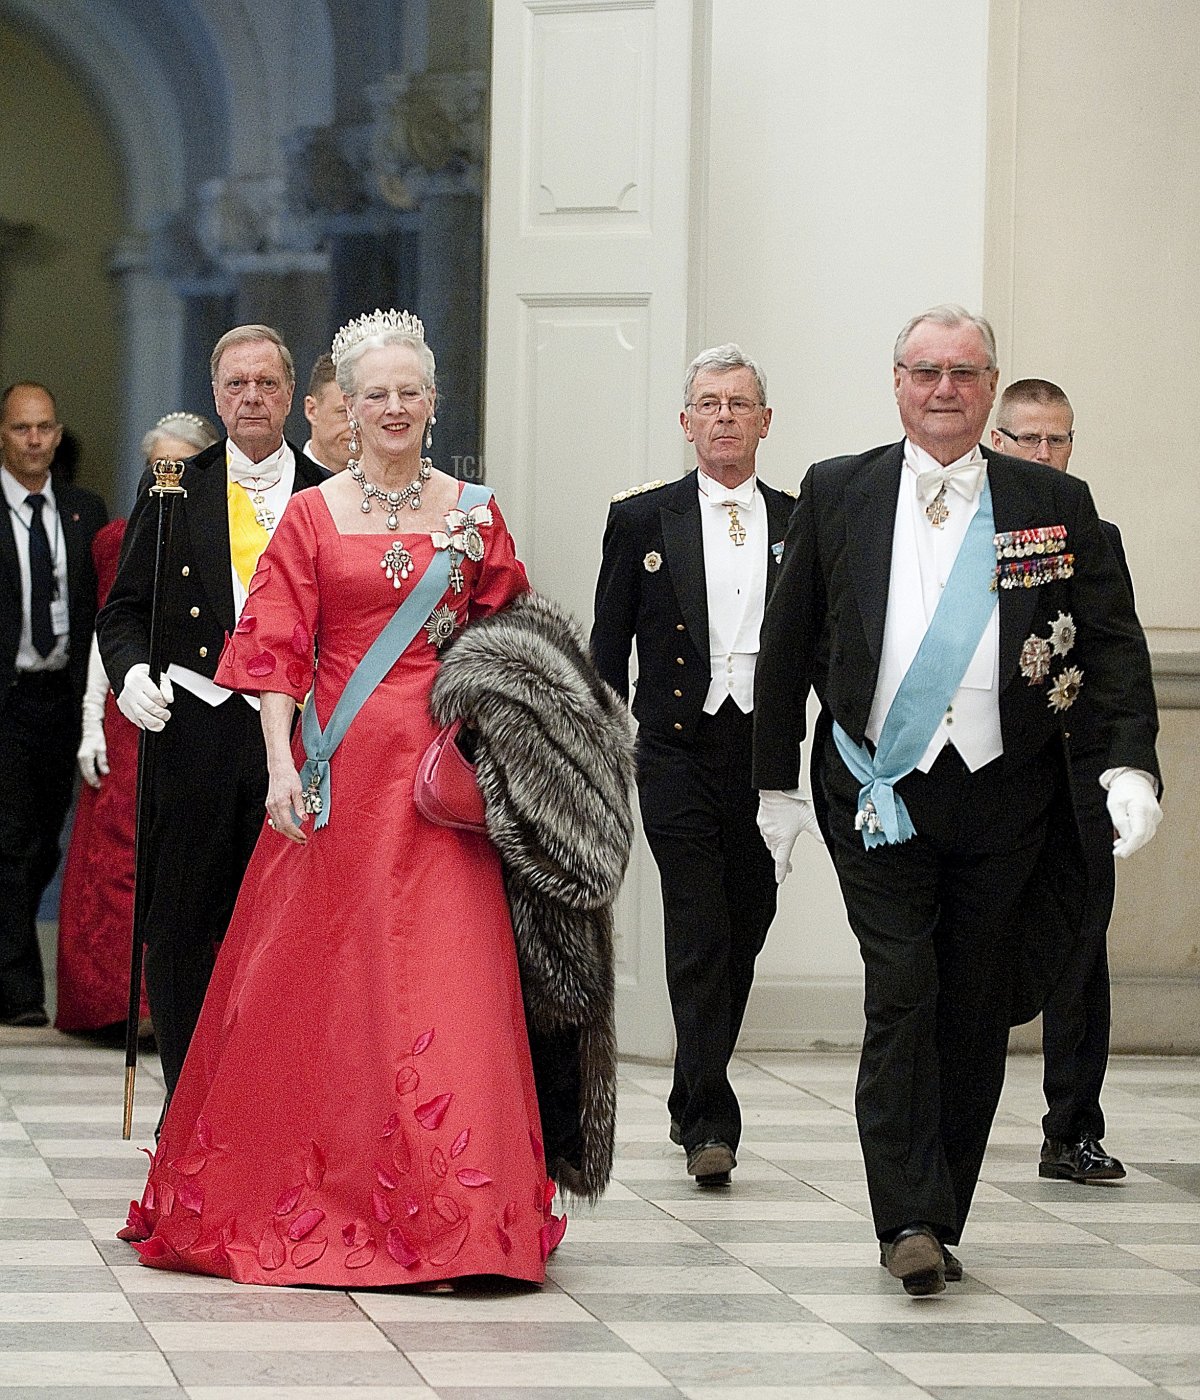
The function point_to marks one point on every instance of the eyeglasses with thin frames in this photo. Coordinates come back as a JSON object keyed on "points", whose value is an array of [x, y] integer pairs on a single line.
{"points": [[709, 407], [961, 376], [1032, 441]]}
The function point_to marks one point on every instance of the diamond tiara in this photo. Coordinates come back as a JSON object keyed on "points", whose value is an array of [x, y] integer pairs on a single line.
{"points": [[192, 418], [376, 323]]}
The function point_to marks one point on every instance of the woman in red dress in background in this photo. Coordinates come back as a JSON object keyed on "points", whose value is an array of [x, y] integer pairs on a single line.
{"points": [[95, 920], [357, 1107]]}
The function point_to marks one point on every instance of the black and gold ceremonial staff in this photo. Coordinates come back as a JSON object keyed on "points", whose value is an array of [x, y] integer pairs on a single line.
{"points": [[166, 487]]}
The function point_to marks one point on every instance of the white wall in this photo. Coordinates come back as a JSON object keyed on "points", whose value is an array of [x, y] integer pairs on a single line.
{"points": [[845, 191]]}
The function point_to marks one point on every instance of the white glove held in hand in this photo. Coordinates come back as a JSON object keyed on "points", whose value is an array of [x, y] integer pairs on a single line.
{"points": [[92, 754], [1134, 810], [782, 816], [142, 702]]}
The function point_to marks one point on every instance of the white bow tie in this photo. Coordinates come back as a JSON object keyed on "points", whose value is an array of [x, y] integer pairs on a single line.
{"points": [[965, 478], [260, 475]]}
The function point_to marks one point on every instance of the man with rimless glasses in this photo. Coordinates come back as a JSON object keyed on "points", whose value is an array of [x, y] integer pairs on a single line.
{"points": [[949, 605], [686, 571], [1034, 420]]}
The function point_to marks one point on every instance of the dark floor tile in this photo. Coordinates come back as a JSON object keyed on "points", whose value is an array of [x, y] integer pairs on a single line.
{"points": [[657, 1255], [657, 1307], [1025, 1392], [948, 1335], [1147, 1232], [44, 1279], [411, 1337], [783, 1231], [97, 1392], [306, 1368], [1128, 1307], [43, 1230], [492, 1392], [279, 1305], [1167, 1368], [74, 1336], [1183, 1175], [773, 1368]]}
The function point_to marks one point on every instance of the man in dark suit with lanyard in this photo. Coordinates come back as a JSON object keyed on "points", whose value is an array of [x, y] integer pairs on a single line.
{"points": [[685, 574], [47, 610], [1034, 420], [949, 606], [210, 773]]}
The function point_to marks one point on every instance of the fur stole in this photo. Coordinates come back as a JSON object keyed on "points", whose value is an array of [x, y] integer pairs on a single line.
{"points": [[554, 761]]}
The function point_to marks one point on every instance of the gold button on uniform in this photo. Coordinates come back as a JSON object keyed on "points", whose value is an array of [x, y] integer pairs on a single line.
{"points": [[679, 695], [195, 612], [679, 661], [679, 627], [185, 571], [203, 651], [679, 726]]}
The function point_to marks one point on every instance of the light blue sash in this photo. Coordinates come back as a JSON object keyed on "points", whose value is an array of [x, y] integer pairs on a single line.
{"points": [[928, 686], [384, 652]]}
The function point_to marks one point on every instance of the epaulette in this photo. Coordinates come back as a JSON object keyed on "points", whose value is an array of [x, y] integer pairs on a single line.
{"points": [[637, 490]]}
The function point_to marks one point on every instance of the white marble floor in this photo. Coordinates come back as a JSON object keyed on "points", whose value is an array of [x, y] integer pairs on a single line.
{"points": [[768, 1291]]}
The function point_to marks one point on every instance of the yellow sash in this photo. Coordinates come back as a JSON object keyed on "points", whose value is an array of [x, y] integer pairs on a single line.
{"points": [[247, 538]]}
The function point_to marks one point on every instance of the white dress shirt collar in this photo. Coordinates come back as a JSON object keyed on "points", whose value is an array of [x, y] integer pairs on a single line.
{"points": [[15, 493], [742, 494], [242, 469]]}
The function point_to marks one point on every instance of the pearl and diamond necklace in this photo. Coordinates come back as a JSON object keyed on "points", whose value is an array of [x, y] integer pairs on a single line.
{"points": [[391, 500]]}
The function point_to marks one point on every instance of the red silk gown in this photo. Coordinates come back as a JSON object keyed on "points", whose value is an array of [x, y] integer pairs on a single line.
{"points": [[95, 918], [357, 1107]]}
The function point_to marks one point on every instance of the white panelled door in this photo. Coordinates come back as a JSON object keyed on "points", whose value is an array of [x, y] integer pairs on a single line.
{"points": [[587, 334]]}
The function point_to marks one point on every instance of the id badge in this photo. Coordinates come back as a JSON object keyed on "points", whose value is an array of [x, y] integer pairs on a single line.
{"points": [[59, 618]]}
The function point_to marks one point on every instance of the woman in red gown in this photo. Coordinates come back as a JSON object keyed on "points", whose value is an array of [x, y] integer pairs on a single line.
{"points": [[95, 921], [357, 1107]]}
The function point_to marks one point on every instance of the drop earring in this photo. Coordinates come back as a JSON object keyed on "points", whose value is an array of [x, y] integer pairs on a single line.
{"points": [[355, 445], [429, 431]]}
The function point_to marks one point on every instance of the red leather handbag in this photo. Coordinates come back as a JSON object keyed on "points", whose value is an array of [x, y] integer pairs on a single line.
{"points": [[445, 789]]}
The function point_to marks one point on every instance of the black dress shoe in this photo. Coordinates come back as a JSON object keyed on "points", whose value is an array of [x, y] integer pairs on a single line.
{"points": [[675, 1132], [952, 1269], [31, 1016], [711, 1163], [1083, 1161], [915, 1257]]}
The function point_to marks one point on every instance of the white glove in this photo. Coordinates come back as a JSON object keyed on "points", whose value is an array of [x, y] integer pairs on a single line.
{"points": [[142, 702], [1134, 810], [93, 751], [782, 816]]}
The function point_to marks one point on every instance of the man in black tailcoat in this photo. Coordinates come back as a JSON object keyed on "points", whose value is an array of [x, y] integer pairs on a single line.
{"points": [[1034, 420], [686, 571], [47, 611], [964, 925], [210, 772]]}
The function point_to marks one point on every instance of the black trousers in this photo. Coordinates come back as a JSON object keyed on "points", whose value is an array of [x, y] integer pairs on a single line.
{"points": [[936, 919], [718, 889], [1077, 1017], [207, 794], [39, 733]]}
